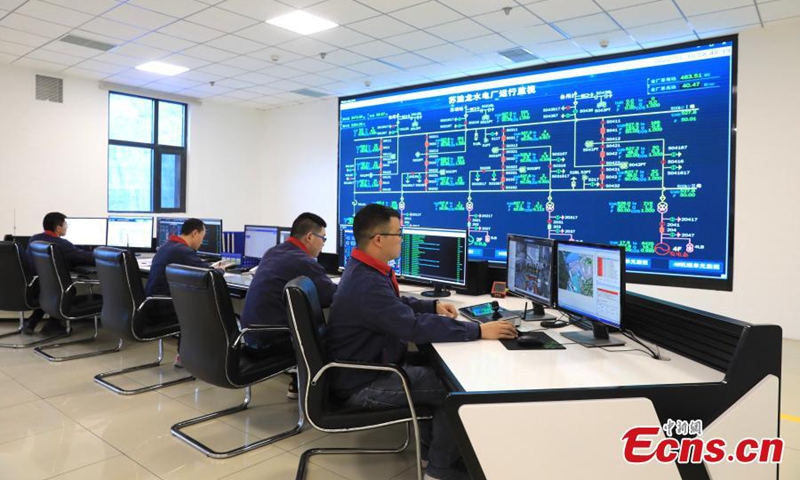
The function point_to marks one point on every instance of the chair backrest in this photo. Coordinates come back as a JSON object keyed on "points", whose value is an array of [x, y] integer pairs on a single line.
{"points": [[54, 278], [208, 324], [307, 327], [16, 294], [123, 293]]}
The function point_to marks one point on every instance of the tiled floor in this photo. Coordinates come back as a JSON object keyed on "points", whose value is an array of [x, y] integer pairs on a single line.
{"points": [[55, 422]]}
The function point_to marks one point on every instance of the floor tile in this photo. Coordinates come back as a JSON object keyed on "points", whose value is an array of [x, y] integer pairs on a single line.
{"points": [[30, 418], [52, 453], [283, 467], [12, 393], [172, 459], [117, 468], [361, 466]]}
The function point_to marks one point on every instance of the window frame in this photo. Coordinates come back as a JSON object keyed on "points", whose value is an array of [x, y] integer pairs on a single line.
{"points": [[157, 151]]}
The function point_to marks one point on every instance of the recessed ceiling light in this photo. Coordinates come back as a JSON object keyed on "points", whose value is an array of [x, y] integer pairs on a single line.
{"points": [[162, 68], [302, 23]]}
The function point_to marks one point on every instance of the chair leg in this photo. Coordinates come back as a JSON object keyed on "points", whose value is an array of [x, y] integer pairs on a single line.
{"points": [[101, 377], [411, 425], [18, 331], [51, 358], [178, 427]]}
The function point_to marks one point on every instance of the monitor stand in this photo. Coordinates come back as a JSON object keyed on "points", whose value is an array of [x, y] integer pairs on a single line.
{"points": [[437, 292], [598, 337], [535, 314]]}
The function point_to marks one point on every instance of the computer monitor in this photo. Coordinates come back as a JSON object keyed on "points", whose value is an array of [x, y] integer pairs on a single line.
{"points": [[86, 231], [130, 232], [166, 226], [347, 242], [212, 243], [591, 284], [284, 233], [435, 255], [258, 239], [531, 273]]}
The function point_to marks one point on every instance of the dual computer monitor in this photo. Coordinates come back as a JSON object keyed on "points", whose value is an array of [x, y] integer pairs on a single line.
{"points": [[260, 238], [583, 279], [127, 232], [431, 255]]}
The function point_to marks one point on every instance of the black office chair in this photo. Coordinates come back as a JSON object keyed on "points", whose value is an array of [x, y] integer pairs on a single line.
{"points": [[210, 348], [125, 312], [20, 292], [58, 297], [307, 324]]}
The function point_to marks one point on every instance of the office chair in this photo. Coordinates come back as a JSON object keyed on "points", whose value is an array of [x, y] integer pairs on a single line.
{"points": [[20, 292], [58, 297], [211, 348], [307, 324], [125, 312]]}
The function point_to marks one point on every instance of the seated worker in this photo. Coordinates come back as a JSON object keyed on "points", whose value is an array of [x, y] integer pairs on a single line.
{"points": [[55, 226], [370, 322], [180, 249], [265, 304]]}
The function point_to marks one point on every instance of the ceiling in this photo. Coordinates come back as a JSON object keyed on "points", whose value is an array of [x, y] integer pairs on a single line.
{"points": [[235, 57]]}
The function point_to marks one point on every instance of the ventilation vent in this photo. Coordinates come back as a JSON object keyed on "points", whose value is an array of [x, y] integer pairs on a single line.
{"points": [[86, 42], [518, 55], [310, 93], [49, 89]]}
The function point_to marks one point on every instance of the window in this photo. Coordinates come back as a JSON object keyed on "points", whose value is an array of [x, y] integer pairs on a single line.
{"points": [[146, 154]]}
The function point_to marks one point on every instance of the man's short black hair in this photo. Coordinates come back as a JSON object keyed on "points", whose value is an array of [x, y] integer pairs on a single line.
{"points": [[191, 225], [307, 222], [369, 220], [53, 220]]}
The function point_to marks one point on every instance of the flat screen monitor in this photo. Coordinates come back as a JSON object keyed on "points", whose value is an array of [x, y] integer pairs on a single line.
{"points": [[130, 232], [86, 231], [166, 226], [435, 255], [283, 234], [347, 242], [591, 285], [258, 239], [212, 243], [634, 149], [531, 272]]}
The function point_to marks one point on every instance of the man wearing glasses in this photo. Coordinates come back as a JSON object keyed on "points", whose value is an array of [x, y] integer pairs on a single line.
{"points": [[370, 322], [264, 303]]}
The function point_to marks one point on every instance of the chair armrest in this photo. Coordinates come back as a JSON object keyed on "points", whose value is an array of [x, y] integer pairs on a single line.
{"points": [[153, 298], [82, 282], [257, 328], [383, 367]]}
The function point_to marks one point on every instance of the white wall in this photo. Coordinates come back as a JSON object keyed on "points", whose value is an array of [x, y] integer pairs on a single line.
{"points": [[54, 156], [766, 263]]}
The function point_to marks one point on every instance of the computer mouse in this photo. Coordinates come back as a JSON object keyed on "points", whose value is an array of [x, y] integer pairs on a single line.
{"points": [[529, 341]]}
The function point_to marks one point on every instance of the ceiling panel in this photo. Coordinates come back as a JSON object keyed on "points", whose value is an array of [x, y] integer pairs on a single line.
{"points": [[661, 31], [459, 30], [38, 65], [306, 46], [516, 19], [92, 7], [142, 52], [220, 19], [24, 38], [646, 14], [33, 25], [173, 8], [533, 35], [54, 57], [261, 10], [342, 37], [407, 60], [53, 13], [70, 49], [737, 17], [342, 11], [487, 43], [426, 15], [247, 62], [139, 17], [159, 40], [443, 53], [597, 23], [694, 7], [14, 48], [267, 34], [779, 9], [343, 58], [113, 29], [235, 44], [208, 53], [476, 7], [382, 26], [376, 49], [557, 10], [415, 40], [343, 74]]}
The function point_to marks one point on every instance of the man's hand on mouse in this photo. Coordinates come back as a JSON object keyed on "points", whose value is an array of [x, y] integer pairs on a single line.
{"points": [[446, 309], [498, 329]]}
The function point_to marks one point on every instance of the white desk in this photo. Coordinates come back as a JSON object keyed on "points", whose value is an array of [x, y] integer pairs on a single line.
{"points": [[487, 365]]}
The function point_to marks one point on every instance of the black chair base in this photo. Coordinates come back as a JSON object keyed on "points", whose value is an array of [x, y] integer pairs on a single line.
{"points": [[306, 456], [100, 378], [178, 427], [32, 343], [52, 358]]}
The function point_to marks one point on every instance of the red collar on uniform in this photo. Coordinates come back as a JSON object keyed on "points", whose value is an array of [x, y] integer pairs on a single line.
{"points": [[176, 238], [381, 267], [51, 233], [297, 243]]}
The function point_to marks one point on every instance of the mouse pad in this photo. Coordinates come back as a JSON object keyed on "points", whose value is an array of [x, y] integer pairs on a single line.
{"points": [[548, 343]]}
